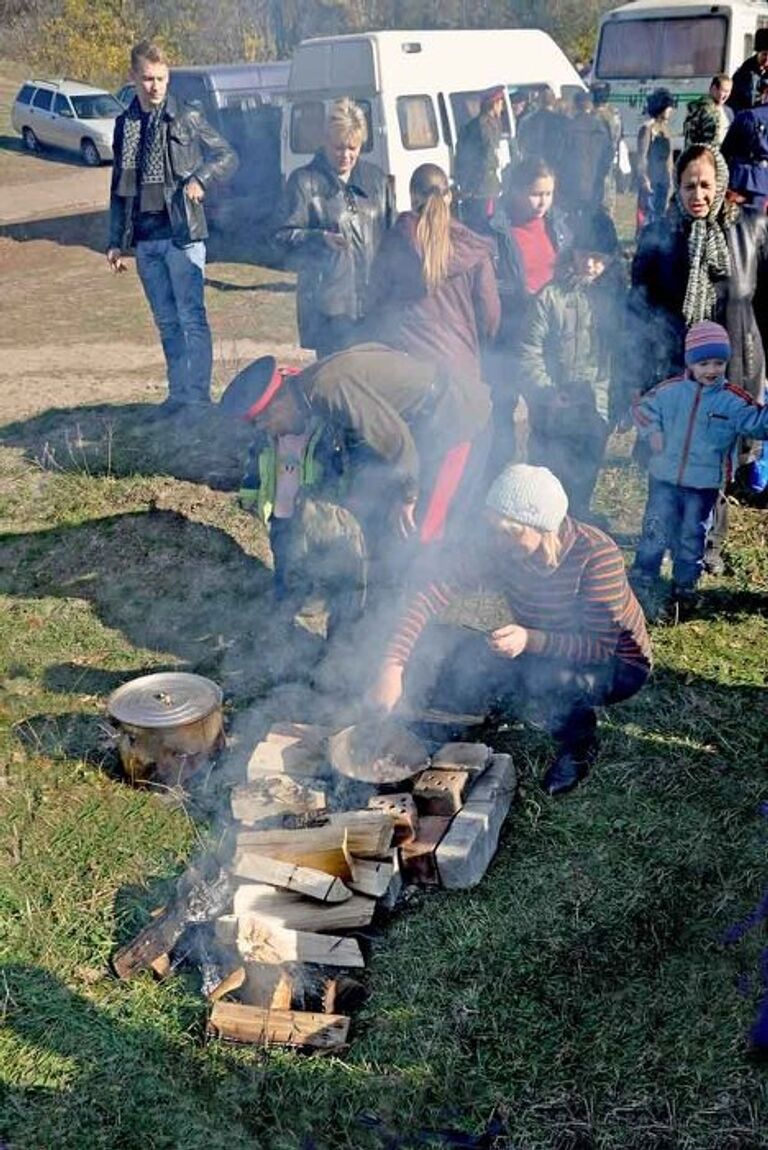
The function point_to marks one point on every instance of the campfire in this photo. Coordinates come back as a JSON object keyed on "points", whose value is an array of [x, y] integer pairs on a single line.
{"points": [[328, 831]]}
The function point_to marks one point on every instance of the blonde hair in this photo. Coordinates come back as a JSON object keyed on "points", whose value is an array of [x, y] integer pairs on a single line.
{"points": [[431, 199], [346, 118], [550, 548], [147, 50]]}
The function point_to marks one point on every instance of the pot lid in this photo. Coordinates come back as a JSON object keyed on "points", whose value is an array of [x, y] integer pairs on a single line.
{"points": [[166, 699]]}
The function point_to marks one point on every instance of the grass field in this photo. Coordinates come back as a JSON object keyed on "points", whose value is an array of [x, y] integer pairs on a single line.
{"points": [[584, 997]]}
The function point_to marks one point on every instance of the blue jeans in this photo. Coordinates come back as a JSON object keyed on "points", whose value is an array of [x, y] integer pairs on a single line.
{"points": [[173, 280], [676, 518]]}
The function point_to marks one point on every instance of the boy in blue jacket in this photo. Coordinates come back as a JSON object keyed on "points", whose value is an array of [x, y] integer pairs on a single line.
{"points": [[692, 424]]}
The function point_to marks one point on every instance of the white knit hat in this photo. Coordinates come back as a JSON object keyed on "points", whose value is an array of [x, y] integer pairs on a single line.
{"points": [[532, 496]]}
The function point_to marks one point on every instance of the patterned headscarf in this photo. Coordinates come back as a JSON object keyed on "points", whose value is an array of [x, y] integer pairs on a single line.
{"points": [[708, 256]]}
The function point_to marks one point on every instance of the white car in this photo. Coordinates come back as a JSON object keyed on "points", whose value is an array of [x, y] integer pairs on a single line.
{"points": [[66, 114]]}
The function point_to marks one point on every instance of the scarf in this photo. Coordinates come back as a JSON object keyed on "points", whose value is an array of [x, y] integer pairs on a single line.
{"points": [[142, 158], [708, 255]]}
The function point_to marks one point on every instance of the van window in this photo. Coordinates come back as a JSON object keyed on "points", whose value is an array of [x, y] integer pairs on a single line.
{"points": [[669, 48], [25, 95], [62, 107], [418, 124], [43, 99], [466, 105], [307, 126], [307, 132]]}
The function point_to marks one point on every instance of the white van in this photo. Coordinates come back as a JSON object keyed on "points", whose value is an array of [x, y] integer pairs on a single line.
{"points": [[680, 46], [417, 89]]}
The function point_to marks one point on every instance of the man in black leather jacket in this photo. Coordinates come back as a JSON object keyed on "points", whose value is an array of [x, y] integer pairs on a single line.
{"points": [[336, 210], [166, 155]]}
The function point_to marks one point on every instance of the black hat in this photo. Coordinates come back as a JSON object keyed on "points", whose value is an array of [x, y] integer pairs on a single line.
{"points": [[761, 40], [659, 100], [252, 389], [595, 233]]}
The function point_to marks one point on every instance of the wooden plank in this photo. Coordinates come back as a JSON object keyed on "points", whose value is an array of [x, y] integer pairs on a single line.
{"points": [[313, 883], [274, 796], [440, 792], [371, 877], [298, 913], [236, 1022], [472, 757], [402, 810], [262, 940], [470, 843], [364, 833], [417, 859]]}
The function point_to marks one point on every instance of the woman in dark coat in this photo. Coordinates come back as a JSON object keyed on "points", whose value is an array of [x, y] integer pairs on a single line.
{"points": [[336, 211], [433, 288], [704, 260], [434, 296]]}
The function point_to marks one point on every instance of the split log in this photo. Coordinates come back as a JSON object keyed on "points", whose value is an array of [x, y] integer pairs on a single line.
{"points": [[262, 940], [402, 809], [158, 938], [231, 982], [472, 757], [364, 833], [239, 1023], [304, 880], [343, 994], [267, 985], [466, 850], [417, 859], [440, 792], [298, 913], [372, 876], [274, 796], [161, 966], [290, 748]]}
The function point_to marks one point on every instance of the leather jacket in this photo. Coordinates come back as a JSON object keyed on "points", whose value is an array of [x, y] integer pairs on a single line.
{"points": [[333, 282], [192, 148]]}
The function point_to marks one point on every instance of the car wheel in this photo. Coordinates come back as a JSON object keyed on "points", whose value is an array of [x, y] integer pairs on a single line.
{"points": [[31, 142], [90, 154]]}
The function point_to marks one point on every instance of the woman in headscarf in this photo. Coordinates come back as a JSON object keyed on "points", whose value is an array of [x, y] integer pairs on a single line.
{"points": [[703, 260]]}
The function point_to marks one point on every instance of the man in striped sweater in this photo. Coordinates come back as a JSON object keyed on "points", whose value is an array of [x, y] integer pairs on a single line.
{"points": [[577, 637]]}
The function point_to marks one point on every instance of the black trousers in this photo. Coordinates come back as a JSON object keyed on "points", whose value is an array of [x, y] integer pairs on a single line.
{"points": [[559, 696]]}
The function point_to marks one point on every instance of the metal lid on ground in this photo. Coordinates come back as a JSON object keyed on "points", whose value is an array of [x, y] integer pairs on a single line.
{"points": [[165, 699]]}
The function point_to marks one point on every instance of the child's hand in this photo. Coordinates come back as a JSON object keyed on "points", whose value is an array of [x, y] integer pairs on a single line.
{"points": [[656, 441]]}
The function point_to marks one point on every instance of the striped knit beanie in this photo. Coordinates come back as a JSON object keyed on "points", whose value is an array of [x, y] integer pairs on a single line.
{"points": [[529, 495], [706, 340]]}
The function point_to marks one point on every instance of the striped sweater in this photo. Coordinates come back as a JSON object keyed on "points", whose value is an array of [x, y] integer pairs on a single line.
{"points": [[583, 609]]}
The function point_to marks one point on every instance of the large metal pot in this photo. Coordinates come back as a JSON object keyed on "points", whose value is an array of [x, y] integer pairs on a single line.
{"points": [[169, 724]]}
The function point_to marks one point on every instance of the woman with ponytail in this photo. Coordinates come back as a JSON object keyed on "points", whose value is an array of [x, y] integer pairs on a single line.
{"points": [[434, 291]]}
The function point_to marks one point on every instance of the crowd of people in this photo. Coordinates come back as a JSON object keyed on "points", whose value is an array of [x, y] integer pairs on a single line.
{"points": [[474, 354]]}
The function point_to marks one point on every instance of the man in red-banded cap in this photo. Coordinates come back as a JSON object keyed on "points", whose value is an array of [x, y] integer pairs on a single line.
{"points": [[407, 437], [477, 160]]}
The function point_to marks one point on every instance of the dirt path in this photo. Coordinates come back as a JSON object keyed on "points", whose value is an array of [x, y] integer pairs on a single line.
{"points": [[53, 189], [33, 379]]}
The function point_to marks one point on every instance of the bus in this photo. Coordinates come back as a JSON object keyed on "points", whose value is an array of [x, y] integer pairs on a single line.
{"points": [[650, 44]]}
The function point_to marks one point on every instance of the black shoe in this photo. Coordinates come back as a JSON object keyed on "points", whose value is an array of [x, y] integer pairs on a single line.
{"points": [[685, 602], [569, 769]]}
